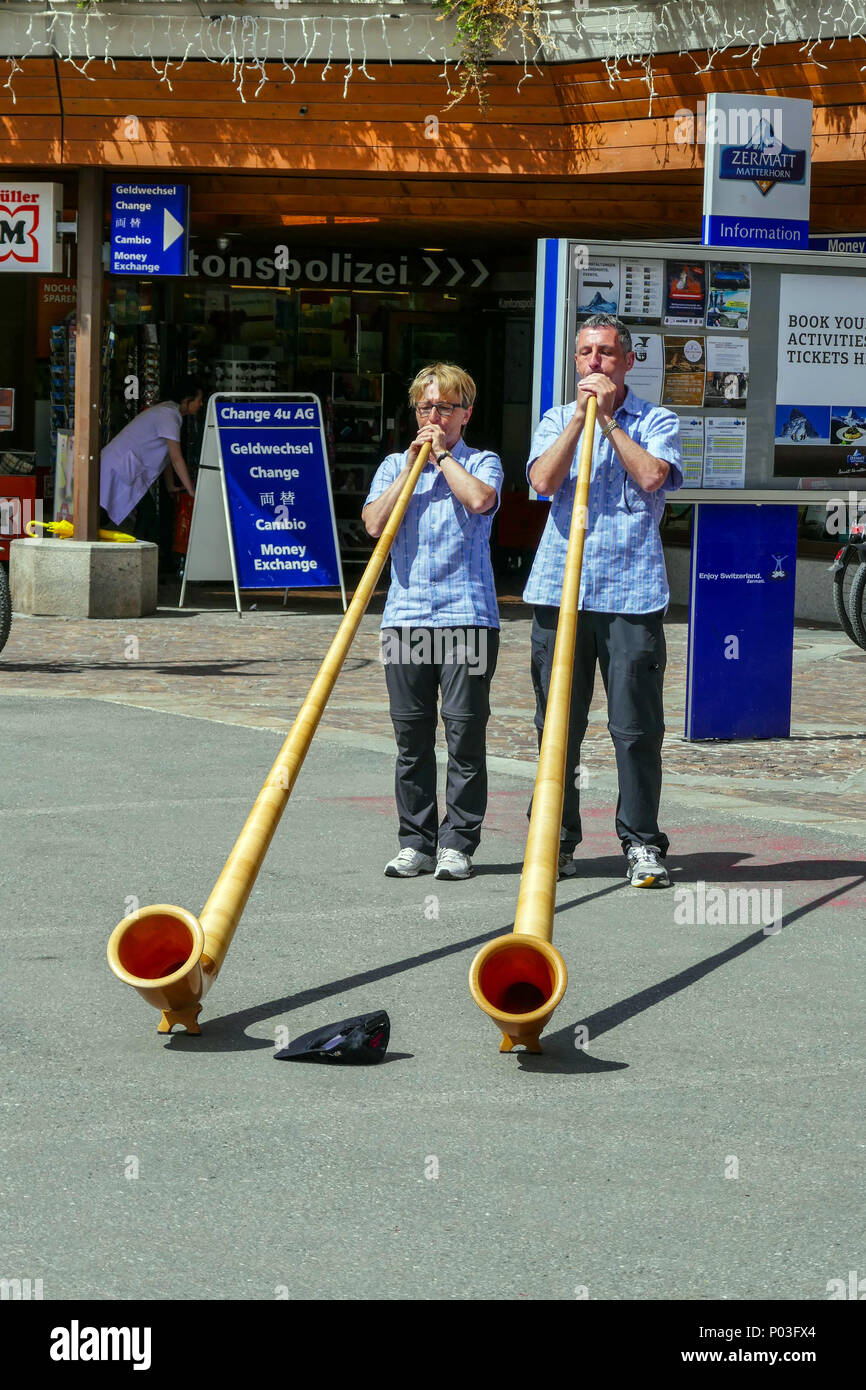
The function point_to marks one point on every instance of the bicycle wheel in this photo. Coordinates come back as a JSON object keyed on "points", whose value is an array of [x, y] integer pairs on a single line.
{"points": [[5, 606], [856, 606], [843, 582]]}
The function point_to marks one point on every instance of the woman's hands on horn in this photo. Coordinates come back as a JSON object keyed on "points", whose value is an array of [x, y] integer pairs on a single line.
{"points": [[375, 515], [433, 435]]}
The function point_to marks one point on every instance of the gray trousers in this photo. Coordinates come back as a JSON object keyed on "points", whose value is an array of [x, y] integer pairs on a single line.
{"points": [[421, 669], [631, 652]]}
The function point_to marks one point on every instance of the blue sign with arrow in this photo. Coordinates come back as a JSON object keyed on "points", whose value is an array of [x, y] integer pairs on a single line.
{"points": [[149, 229]]}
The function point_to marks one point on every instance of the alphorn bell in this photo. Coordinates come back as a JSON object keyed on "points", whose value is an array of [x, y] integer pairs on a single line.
{"points": [[171, 957], [519, 979]]}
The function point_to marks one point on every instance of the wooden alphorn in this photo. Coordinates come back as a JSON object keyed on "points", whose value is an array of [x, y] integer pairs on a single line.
{"points": [[171, 957], [519, 979]]}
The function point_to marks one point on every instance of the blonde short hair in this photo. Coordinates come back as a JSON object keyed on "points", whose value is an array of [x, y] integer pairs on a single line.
{"points": [[448, 378]]}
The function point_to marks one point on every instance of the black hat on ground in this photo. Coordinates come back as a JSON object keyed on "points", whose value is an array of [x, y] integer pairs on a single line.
{"points": [[352, 1041]]}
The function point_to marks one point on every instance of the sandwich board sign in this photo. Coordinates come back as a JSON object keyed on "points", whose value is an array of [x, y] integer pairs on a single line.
{"points": [[757, 171], [263, 514]]}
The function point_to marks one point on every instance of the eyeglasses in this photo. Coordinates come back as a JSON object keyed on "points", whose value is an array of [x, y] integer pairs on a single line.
{"points": [[445, 409]]}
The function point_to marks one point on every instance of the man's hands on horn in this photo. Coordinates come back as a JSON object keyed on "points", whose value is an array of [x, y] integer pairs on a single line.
{"points": [[598, 385]]}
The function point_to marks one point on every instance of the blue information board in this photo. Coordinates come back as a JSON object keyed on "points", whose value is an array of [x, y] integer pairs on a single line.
{"points": [[149, 228], [278, 491], [741, 621]]}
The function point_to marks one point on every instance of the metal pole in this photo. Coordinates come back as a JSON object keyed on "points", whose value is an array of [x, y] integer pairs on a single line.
{"points": [[88, 356]]}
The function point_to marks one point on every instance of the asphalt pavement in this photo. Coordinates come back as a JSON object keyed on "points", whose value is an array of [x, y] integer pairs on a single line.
{"points": [[692, 1130]]}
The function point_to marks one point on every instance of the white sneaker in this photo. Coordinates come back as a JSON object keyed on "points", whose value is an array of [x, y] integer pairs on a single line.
{"points": [[452, 863], [409, 863], [646, 867]]}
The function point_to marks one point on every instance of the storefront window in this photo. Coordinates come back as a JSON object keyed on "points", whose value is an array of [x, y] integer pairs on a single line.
{"points": [[823, 527]]}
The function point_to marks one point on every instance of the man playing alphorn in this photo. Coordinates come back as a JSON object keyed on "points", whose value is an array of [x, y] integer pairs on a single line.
{"points": [[440, 627], [623, 593]]}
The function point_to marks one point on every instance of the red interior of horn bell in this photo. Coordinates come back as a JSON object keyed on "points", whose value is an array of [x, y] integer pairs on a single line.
{"points": [[155, 946], [517, 980]]}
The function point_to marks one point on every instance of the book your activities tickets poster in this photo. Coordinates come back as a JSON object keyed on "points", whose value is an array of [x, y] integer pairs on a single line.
{"points": [[821, 377]]}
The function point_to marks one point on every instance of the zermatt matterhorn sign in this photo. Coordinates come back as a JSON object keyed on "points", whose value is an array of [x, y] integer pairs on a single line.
{"points": [[757, 170], [764, 159]]}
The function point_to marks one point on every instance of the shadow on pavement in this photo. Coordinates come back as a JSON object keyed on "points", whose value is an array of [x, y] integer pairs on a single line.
{"points": [[560, 1054], [228, 1032], [177, 668], [722, 866]]}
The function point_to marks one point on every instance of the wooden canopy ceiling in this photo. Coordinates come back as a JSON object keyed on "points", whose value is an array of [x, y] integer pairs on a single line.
{"points": [[562, 152]]}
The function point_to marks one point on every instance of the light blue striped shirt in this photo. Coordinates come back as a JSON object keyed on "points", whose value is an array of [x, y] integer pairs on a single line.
{"points": [[441, 572], [623, 562]]}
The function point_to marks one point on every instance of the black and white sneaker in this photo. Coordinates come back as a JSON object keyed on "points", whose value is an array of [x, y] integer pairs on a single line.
{"points": [[646, 867], [567, 865]]}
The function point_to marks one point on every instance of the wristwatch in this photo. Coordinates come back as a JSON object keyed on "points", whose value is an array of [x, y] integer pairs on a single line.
{"points": [[609, 429], [444, 455]]}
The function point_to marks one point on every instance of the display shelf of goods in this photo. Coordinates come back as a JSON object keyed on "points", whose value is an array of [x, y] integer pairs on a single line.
{"points": [[353, 480], [229, 374], [353, 536], [62, 369], [356, 400]]}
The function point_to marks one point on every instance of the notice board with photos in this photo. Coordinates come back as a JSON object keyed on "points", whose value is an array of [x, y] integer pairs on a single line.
{"points": [[762, 355]]}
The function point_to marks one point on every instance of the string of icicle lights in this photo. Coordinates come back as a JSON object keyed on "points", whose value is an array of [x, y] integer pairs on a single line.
{"points": [[618, 35]]}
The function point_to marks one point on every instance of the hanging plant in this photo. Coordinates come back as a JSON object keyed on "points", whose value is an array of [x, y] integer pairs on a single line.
{"points": [[485, 27]]}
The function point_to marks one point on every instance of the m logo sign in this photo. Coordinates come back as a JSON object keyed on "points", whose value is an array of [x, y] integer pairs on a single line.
{"points": [[28, 239], [18, 223]]}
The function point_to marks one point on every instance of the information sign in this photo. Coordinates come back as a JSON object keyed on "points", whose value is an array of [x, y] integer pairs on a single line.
{"points": [[757, 171]]}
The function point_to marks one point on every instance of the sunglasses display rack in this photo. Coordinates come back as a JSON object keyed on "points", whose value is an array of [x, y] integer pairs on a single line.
{"points": [[130, 403], [62, 367], [108, 346], [229, 375], [150, 372]]}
